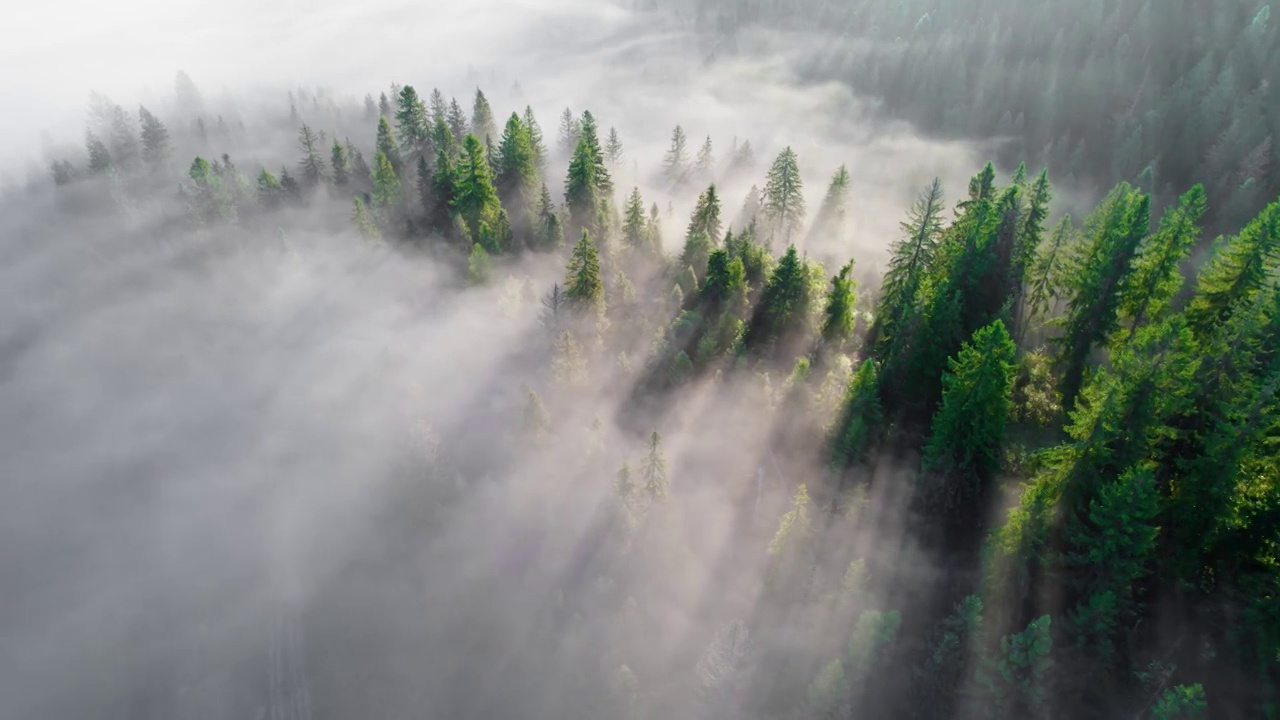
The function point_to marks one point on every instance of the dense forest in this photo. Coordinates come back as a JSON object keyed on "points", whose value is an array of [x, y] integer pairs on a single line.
{"points": [[645, 463]]}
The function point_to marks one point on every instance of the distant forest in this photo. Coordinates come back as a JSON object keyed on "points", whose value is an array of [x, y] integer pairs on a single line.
{"points": [[1083, 412]]}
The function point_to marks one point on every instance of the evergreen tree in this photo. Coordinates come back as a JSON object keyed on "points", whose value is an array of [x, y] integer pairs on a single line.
{"points": [[726, 280], [359, 168], [861, 416], [444, 186], [412, 124], [783, 197], [653, 470], [384, 106], [588, 184], [704, 165], [457, 121], [1114, 230], [439, 111], [613, 148], [784, 305], [1239, 268], [968, 429], [569, 130], [482, 123], [341, 164], [517, 173], [1156, 278], [912, 262], [386, 185], [370, 108], [1014, 683], [363, 221], [475, 199], [270, 191], [584, 287], [386, 145], [312, 163], [633, 223], [124, 141], [478, 265], [156, 148], [548, 232], [1048, 273], [834, 211], [837, 316], [99, 155], [675, 165], [535, 140], [704, 228]]}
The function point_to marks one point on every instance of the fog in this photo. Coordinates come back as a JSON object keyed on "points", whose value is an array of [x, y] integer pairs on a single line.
{"points": [[257, 474]]}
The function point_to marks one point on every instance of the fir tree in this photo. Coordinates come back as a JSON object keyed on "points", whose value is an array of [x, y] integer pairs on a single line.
{"points": [[784, 305], [99, 155], [386, 145], [384, 106], [475, 199], [548, 232], [837, 316], [1156, 278], [124, 141], [613, 148], [633, 223], [968, 429], [359, 168], [833, 214], [457, 121], [653, 470], [270, 191], [1047, 275], [535, 140], [704, 228], [912, 262], [569, 130], [444, 188], [363, 221], [412, 124], [341, 164], [517, 172], [482, 123], [783, 197], [587, 184], [675, 165], [156, 148], [861, 417], [584, 288], [704, 165], [1237, 272], [535, 418], [386, 185]]}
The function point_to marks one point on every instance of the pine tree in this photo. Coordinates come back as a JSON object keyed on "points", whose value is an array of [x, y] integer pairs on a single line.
{"points": [[1156, 278], [363, 221], [341, 164], [548, 232], [783, 202], [1115, 230], [384, 106], [439, 110], [837, 316], [1047, 274], [704, 165], [569, 130], [386, 185], [584, 288], [270, 191], [704, 228], [675, 165], [653, 470], [386, 145], [412, 124], [156, 148], [517, 172], [475, 199], [613, 149], [444, 186], [482, 123], [633, 223], [726, 280], [478, 265], [861, 416], [535, 140], [784, 306], [312, 163], [968, 429]]}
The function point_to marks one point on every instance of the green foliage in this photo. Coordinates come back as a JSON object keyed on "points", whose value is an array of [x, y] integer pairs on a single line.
{"points": [[156, 147], [968, 429], [675, 164], [1181, 702], [270, 192], [584, 288], [1236, 273], [1014, 681], [833, 214], [412, 124], [363, 221], [910, 266], [783, 201], [567, 364], [634, 230], [837, 316], [785, 306], [341, 164], [475, 200], [517, 172], [1148, 296], [941, 678], [386, 186], [536, 142], [1035, 394], [478, 267], [482, 124], [548, 233], [386, 145], [861, 418], [587, 186]]}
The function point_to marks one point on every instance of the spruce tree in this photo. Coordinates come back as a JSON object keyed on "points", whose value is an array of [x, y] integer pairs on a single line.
{"points": [[411, 122], [444, 187], [1238, 270], [569, 129], [584, 287], [474, 198], [633, 223], [704, 165], [548, 232], [1156, 278], [783, 197], [341, 164], [1115, 231], [613, 148], [834, 211], [784, 306], [653, 470], [384, 106], [964, 446], [912, 262], [270, 191], [482, 122], [156, 148], [457, 121], [386, 145], [517, 172], [587, 184], [837, 316], [124, 141], [535, 140], [386, 185], [363, 221], [861, 416], [1046, 281], [675, 164], [99, 155], [704, 229]]}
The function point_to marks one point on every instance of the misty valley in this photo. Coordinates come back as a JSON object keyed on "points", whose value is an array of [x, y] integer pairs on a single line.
{"points": [[647, 359]]}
